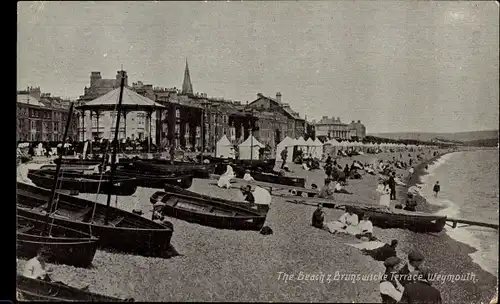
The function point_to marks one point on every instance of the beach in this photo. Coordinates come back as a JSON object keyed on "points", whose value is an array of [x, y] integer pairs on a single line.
{"points": [[225, 265]]}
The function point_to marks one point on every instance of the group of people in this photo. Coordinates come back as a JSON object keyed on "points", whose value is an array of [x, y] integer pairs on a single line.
{"points": [[347, 223]]}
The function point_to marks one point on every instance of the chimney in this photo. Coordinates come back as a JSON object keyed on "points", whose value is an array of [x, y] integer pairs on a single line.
{"points": [[324, 117], [359, 121], [278, 97], [352, 121], [338, 119]]}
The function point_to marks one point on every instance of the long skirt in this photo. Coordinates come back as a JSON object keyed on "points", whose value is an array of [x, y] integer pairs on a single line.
{"points": [[385, 200]]}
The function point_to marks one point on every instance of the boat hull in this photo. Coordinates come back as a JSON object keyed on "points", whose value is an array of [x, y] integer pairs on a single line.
{"points": [[273, 178], [196, 210], [414, 222], [38, 290], [126, 232], [65, 246], [88, 184]]}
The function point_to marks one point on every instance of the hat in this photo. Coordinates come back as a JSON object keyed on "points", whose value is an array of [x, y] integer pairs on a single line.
{"points": [[247, 171], [415, 256], [392, 261]]}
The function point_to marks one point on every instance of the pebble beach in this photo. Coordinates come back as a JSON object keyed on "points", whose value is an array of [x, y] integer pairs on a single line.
{"points": [[226, 265]]}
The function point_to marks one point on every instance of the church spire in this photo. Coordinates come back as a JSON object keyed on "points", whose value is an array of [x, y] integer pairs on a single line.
{"points": [[187, 87]]}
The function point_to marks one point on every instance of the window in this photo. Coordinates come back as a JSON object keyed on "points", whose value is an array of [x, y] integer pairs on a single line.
{"points": [[56, 126], [33, 125]]}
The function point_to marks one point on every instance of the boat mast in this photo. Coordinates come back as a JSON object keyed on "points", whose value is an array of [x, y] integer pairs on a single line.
{"points": [[115, 147], [58, 168]]}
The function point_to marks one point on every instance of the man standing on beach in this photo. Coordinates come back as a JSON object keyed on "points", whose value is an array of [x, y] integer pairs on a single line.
{"points": [[436, 189], [392, 185], [284, 155], [421, 291]]}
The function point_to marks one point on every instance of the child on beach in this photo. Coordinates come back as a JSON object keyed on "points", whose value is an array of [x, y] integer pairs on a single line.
{"points": [[436, 189]]}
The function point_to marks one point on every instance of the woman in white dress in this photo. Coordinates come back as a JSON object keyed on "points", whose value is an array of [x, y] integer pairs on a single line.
{"points": [[385, 194], [347, 223], [225, 179]]}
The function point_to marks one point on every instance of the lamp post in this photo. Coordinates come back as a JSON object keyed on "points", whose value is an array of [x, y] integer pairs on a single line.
{"points": [[204, 105]]}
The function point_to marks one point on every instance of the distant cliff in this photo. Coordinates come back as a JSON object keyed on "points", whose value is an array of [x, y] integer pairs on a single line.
{"points": [[463, 137]]}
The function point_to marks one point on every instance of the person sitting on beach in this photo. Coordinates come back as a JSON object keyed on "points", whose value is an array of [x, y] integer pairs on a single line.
{"points": [[421, 291], [347, 170], [262, 198], [365, 228], [247, 176], [415, 261], [354, 174], [347, 223], [384, 252], [247, 192], [391, 290], [315, 188], [436, 189], [225, 179], [305, 167], [35, 267], [339, 189], [318, 217], [411, 170], [326, 191], [411, 205]]}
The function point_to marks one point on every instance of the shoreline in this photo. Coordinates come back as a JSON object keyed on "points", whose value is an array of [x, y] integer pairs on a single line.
{"points": [[448, 249]]}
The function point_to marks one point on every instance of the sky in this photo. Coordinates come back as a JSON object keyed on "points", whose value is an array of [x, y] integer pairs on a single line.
{"points": [[398, 66]]}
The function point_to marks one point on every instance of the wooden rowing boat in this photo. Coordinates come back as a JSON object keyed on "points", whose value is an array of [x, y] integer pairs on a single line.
{"points": [[139, 179], [414, 221], [208, 211], [383, 217], [266, 165], [84, 183], [163, 167], [125, 232], [65, 245], [273, 178], [175, 189], [38, 290]]}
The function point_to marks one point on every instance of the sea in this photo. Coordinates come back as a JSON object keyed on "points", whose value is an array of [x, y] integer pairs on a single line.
{"points": [[469, 190]]}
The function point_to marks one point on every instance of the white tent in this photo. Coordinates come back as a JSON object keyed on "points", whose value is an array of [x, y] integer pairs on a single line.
{"points": [[288, 144], [318, 148], [224, 148], [309, 146], [301, 143], [249, 149]]}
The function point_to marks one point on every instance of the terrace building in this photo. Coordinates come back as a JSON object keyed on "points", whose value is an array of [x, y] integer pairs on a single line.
{"points": [[41, 117]]}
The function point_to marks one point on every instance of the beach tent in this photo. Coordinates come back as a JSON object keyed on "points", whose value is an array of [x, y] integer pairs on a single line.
{"points": [[249, 149], [318, 148], [309, 146], [288, 144], [224, 148], [301, 144]]}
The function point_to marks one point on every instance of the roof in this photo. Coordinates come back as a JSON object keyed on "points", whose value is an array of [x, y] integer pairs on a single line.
{"points": [[29, 100], [224, 141], [251, 141], [282, 105], [130, 101], [330, 121]]}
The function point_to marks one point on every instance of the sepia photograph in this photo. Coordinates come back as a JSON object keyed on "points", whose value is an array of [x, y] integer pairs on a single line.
{"points": [[257, 151]]}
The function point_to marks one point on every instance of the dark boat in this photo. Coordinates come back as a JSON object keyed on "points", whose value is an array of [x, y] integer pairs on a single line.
{"points": [[84, 183], [125, 232], [209, 211], [37, 290], [414, 221], [156, 166], [266, 165], [273, 178], [137, 178], [175, 189], [162, 167], [65, 245]]}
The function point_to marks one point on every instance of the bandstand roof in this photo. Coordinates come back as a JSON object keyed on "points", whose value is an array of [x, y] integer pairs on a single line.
{"points": [[131, 101]]}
